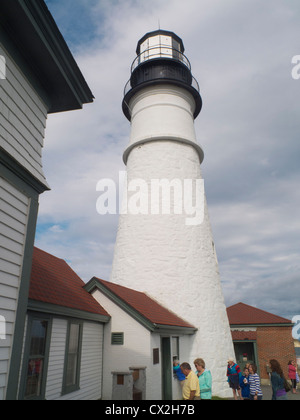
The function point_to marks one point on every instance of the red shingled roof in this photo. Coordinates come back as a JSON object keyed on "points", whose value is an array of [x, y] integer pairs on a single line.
{"points": [[146, 306], [242, 314], [53, 281]]}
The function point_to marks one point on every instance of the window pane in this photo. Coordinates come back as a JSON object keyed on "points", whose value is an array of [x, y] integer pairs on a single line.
{"points": [[34, 378], [74, 336], [35, 365], [71, 370], [72, 363], [175, 347], [38, 337]]}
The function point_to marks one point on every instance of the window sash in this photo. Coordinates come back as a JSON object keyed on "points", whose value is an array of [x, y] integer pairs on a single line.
{"points": [[73, 358], [36, 354]]}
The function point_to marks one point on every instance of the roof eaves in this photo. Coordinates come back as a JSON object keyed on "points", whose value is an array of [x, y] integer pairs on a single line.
{"points": [[41, 44], [279, 324], [175, 329], [94, 283], [50, 308]]}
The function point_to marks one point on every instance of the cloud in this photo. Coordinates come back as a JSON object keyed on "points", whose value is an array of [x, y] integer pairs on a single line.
{"points": [[241, 54]]}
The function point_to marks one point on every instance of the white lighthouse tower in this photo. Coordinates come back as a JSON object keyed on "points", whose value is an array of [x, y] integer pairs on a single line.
{"points": [[164, 244]]}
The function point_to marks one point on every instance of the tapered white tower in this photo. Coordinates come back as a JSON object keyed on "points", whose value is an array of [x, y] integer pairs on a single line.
{"points": [[162, 248]]}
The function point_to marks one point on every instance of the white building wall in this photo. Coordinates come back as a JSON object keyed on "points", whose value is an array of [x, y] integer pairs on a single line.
{"points": [[14, 207], [56, 358], [22, 123], [22, 119], [91, 362], [137, 351], [134, 352]]}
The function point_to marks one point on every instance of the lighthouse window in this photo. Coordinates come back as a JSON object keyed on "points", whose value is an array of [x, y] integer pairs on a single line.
{"points": [[176, 49]]}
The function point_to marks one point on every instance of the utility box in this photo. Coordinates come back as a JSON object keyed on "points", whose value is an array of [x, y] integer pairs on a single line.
{"points": [[122, 388], [139, 382]]}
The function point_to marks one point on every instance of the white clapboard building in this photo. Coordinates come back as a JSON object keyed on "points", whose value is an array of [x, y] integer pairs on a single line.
{"points": [[38, 76]]}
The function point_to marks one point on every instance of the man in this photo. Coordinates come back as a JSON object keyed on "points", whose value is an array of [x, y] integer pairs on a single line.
{"points": [[191, 388]]}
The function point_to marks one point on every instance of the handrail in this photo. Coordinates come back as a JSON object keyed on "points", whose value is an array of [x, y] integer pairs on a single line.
{"points": [[161, 51]]}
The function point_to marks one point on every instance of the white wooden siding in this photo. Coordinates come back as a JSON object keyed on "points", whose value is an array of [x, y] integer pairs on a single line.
{"points": [[56, 359], [14, 208], [22, 119], [91, 362]]}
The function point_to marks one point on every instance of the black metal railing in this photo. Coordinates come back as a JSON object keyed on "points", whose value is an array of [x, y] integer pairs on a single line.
{"points": [[160, 51]]}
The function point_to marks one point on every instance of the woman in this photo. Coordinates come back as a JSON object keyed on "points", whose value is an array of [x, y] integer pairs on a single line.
{"points": [[205, 379], [292, 375], [233, 375], [244, 384], [277, 381], [254, 381]]}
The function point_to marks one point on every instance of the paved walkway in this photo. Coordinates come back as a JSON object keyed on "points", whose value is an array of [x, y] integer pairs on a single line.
{"points": [[267, 394]]}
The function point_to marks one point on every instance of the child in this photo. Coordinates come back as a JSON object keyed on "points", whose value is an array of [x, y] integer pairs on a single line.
{"points": [[178, 372], [244, 384]]}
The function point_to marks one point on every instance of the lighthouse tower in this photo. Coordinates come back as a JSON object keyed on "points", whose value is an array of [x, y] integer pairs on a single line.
{"points": [[164, 244]]}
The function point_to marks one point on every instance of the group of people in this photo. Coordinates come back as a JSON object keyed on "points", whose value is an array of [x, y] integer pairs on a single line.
{"points": [[197, 384], [247, 385]]}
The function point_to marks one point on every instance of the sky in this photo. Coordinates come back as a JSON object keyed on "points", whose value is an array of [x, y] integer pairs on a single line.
{"points": [[241, 53]]}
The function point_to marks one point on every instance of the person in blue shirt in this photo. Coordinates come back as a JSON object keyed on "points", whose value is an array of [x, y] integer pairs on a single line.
{"points": [[244, 384], [178, 372], [205, 379]]}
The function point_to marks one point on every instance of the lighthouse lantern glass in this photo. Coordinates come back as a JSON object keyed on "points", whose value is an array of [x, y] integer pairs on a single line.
{"points": [[159, 46]]}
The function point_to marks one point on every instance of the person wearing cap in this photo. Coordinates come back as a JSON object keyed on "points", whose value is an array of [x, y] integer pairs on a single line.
{"points": [[233, 378]]}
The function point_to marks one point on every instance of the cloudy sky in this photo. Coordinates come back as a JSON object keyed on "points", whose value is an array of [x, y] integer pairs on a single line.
{"points": [[241, 53]]}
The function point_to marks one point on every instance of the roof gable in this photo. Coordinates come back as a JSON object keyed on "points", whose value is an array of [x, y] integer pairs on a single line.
{"points": [[54, 282], [138, 303], [243, 314]]}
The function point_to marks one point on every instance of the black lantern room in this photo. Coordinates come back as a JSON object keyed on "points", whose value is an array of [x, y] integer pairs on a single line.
{"points": [[160, 60]]}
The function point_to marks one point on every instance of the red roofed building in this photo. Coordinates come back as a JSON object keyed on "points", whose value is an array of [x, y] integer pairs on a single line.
{"points": [[77, 335], [63, 343], [259, 336], [142, 336]]}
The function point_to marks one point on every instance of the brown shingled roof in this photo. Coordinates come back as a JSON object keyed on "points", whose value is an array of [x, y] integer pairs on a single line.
{"points": [[145, 305], [242, 314], [53, 281]]}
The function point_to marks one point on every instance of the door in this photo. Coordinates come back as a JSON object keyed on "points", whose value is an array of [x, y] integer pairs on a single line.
{"points": [[166, 368], [244, 352]]}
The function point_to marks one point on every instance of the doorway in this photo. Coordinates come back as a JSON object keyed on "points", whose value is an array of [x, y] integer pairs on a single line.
{"points": [[245, 353], [166, 368]]}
